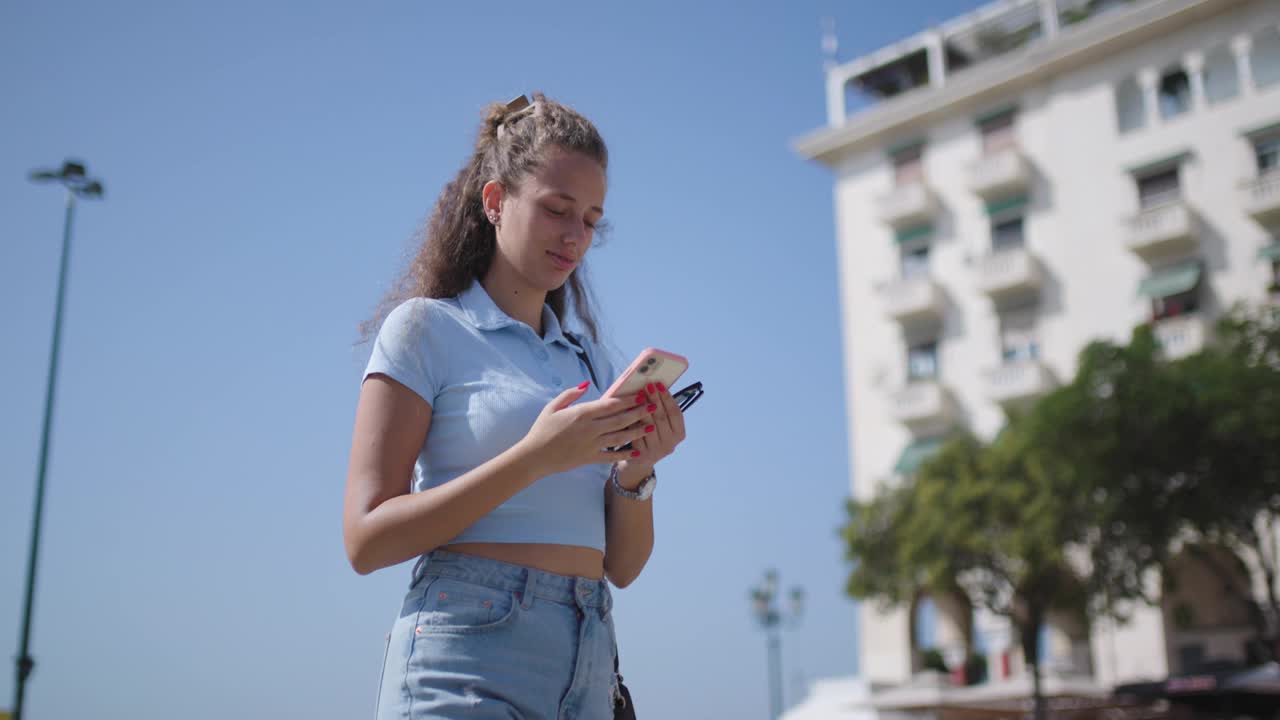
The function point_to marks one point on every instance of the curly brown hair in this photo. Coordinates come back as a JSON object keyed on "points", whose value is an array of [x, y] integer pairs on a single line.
{"points": [[458, 242]]}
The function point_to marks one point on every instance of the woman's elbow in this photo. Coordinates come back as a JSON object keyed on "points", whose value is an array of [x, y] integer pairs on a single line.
{"points": [[358, 551]]}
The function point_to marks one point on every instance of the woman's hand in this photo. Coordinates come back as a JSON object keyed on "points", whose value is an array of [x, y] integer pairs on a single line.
{"points": [[667, 431], [565, 437]]}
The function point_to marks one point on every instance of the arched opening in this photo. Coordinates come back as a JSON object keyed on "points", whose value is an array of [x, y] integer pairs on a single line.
{"points": [[1207, 609], [1131, 111], [941, 632]]}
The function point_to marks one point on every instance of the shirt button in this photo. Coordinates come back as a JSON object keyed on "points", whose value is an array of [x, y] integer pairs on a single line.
{"points": [[543, 354]]}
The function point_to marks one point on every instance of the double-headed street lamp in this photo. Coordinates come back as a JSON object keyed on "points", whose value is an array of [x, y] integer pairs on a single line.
{"points": [[765, 603], [78, 184]]}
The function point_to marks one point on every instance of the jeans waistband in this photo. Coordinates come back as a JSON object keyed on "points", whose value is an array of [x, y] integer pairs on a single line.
{"points": [[529, 582]]}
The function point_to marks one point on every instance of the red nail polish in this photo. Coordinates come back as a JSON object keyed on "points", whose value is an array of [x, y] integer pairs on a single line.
{"points": [[651, 408], [649, 428], [662, 387], [650, 388], [635, 453], [584, 385], [640, 398]]}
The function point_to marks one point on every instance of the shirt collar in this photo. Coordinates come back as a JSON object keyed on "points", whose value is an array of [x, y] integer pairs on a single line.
{"points": [[485, 314]]}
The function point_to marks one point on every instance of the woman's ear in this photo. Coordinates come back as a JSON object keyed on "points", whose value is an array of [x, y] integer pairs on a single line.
{"points": [[491, 197]]}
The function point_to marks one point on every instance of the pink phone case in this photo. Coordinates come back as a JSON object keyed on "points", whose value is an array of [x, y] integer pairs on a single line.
{"points": [[664, 367]]}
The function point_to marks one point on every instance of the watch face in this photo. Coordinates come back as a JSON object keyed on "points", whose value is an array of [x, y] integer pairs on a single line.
{"points": [[646, 488]]}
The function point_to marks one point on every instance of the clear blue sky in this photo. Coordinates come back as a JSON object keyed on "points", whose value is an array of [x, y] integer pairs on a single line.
{"points": [[266, 165]]}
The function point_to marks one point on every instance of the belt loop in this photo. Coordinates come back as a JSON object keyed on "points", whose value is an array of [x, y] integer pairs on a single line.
{"points": [[419, 569], [606, 599], [526, 598]]}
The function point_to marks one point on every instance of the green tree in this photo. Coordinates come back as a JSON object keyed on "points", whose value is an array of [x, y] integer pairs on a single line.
{"points": [[991, 522], [1086, 496], [1178, 456]]}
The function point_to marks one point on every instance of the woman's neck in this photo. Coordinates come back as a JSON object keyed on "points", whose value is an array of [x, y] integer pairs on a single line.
{"points": [[513, 295]]}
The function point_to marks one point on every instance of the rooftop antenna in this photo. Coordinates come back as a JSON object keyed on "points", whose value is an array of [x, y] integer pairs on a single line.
{"points": [[830, 43]]}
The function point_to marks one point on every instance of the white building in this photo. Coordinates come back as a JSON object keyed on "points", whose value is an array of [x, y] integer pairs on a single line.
{"points": [[1011, 185]]}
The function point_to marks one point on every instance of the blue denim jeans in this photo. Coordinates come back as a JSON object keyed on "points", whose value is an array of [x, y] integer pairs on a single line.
{"points": [[480, 639]]}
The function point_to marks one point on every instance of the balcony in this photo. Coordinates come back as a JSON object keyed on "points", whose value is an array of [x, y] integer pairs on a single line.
{"points": [[923, 405], [1261, 196], [1000, 172], [1018, 382], [913, 299], [1167, 228], [1009, 271], [1182, 335], [908, 204]]}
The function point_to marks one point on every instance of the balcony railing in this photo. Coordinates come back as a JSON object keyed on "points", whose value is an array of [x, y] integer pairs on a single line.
{"points": [[1018, 382], [923, 405], [913, 299], [1182, 335], [1261, 196], [1166, 228], [1007, 271], [1000, 172], [908, 204]]}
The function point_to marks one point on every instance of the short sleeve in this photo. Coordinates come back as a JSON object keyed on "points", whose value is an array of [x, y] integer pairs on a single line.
{"points": [[403, 351]]}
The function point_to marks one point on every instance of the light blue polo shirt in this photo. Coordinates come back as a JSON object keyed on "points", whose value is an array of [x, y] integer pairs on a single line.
{"points": [[487, 377]]}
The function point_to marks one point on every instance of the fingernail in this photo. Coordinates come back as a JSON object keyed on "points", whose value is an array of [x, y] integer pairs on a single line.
{"points": [[662, 387], [649, 428], [635, 453], [640, 398], [584, 385], [650, 388], [651, 408]]}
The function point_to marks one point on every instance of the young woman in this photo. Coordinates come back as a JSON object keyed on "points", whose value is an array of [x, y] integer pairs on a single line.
{"points": [[470, 454]]}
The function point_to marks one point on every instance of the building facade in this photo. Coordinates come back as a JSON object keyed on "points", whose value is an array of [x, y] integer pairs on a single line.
{"points": [[1010, 186]]}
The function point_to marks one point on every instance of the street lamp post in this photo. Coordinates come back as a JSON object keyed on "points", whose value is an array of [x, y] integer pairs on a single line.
{"points": [[78, 184], [765, 605]]}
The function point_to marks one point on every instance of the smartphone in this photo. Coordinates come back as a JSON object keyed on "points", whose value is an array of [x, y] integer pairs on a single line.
{"points": [[650, 366]]}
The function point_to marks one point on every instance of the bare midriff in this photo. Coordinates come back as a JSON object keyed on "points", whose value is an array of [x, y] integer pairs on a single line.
{"points": [[559, 559]]}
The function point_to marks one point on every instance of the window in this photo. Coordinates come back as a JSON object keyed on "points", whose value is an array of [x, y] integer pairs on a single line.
{"points": [[997, 132], [1266, 152], [922, 362], [1158, 188], [915, 261], [1131, 110], [1265, 58], [1018, 342], [1183, 303], [908, 165], [1221, 81], [1006, 233], [1174, 94]]}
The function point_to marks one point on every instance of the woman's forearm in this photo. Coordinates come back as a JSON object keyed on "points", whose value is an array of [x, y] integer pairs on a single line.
{"points": [[406, 526], [629, 529]]}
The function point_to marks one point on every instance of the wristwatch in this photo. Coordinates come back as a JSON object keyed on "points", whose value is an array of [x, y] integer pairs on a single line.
{"points": [[642, 493]]}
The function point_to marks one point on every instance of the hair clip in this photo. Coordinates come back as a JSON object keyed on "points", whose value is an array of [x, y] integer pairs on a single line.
{"points": [[515, 109]]}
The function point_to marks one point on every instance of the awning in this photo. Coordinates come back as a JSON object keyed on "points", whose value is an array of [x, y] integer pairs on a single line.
{"points": [[1270, 252], [994, 114], [905, 145], [915, 232], [1271, 128], [1161, 163], [916, 453], [1003, 205], [1171, 281]]}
